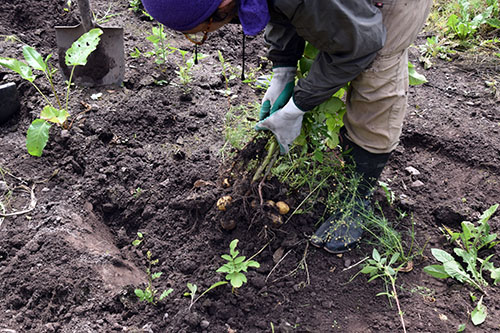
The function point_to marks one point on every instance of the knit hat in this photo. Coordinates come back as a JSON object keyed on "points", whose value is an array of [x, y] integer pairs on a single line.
{"points": [[181, 15]]}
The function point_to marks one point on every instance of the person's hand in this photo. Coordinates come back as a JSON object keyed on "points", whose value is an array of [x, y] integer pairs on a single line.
{"points": [[285, 124], [279, 92]]}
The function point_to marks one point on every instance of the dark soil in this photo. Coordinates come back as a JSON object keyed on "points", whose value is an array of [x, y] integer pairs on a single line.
{"points": [[146, 158]]}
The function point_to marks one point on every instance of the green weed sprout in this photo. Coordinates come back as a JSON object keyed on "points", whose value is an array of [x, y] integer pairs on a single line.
{"points": [[194, 288], [236, 266], [76, 55], [470, 240], [149, 294], [379, 267]]}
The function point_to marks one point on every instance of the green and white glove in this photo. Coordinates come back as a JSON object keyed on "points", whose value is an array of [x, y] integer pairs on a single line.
{"points": [[279, 92], [285, 124]]}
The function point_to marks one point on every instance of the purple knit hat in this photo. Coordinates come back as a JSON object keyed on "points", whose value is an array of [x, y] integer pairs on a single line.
{"points": [[181, 15]]}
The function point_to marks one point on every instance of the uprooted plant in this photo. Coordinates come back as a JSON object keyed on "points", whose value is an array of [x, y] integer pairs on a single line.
{"points": [[57, 113], [149, 294], [236, 266], [468, 266]]}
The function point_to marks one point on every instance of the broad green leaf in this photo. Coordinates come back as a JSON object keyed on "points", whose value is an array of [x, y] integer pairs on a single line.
{"points": [[487, 214], [467, 228], [461, 328], [57, 116], [165, 293], [80, 50], [224, 269], [394, 258], [456, 271], [442, 256], [227, 257], [494, 22], [34, 59], [469, 259], [140, 235], [369, 269], [37, 137], [375, 255], [233, 245], [436, 271], [236, 279], [139, 293], [136, 242], [253, 263], [415, 78], [495, 275], [19, 67], [478, 315], [239, 260]]}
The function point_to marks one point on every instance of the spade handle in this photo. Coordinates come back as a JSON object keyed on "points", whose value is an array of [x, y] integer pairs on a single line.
{"points": [[85, 14]]}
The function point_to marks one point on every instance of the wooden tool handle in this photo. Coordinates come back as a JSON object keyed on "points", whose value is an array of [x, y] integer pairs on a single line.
{"points": [[85, 14]]}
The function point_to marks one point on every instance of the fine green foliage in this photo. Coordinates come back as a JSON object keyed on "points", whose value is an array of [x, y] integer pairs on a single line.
{"points": [[194, 288], [57, 113], [469, 240], [467, 21], [236, 266], [150, 293]]}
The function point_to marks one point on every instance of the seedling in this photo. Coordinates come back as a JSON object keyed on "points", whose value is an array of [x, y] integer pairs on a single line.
{"points": [[379, 267], [149, 294], [185, 67], [236, 266], [193, 289], [76, 55], [470, 240]]}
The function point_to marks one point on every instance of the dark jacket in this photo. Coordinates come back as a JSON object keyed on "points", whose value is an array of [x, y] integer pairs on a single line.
{"points": [[348, 34]]}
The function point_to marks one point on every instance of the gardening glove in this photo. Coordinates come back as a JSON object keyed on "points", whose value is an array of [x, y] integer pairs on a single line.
{"points": [[285, 124], [279, 92]]}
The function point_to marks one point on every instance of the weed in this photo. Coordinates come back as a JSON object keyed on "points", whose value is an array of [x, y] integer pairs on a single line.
{"points": [[470, 240], [76, 55], [185, 66], [238, 124], [380, 267], [149, 294], [236, 266], [389, 195], [193, 289], [161, 48]]}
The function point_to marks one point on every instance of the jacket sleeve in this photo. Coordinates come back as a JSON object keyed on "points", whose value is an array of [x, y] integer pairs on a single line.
{"points": [[285, 45], [348, 35]]}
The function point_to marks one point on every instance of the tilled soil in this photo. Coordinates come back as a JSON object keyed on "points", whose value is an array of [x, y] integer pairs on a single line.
{"points": [[147, 158]]}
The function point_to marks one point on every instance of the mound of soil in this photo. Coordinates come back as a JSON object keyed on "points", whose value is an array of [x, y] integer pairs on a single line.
{"points": [[147, 158]]}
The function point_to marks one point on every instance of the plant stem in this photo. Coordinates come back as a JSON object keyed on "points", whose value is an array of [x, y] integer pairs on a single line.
{"points": [[273, 146], [49, 77], [69, 86], [393, 283], [41, 93]]}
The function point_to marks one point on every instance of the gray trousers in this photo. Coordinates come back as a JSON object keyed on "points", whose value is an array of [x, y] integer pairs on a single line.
{"points": [[377, 98]]}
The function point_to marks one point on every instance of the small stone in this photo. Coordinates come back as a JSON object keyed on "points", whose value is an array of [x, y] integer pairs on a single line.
{"points": [[347, 262], [412, 171], [417, 184], [204, 323]]}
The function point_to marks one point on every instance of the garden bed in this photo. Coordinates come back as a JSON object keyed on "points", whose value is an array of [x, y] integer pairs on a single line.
{"points": [[147, 158]]}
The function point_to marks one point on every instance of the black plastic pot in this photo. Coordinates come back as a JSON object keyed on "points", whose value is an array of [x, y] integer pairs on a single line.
{"points": [[9, 102]]}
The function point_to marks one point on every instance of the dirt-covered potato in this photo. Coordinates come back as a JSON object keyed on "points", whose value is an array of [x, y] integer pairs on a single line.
{"points": [[282, 207], [228, 224], [224, 202], [276, 220]]}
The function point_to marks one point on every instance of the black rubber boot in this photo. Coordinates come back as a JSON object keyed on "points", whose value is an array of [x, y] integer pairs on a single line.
{"points": [[343, 230]]}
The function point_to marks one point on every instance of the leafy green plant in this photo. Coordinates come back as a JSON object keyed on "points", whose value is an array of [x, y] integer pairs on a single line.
{"points": [[193, 289], [185, 67], [466, 23], [57, 113], [470, 240], [149, 294], [380, 267], [236, 266], [161, 49], [479, 314]]}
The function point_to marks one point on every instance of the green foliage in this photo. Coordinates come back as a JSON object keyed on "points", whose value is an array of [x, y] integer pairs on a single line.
{"points": [[478, 315], [194, 288], [468, 20], [38, 132], [470, 240], [236, 266], [380, 267], [414, 77], [149, 294]]}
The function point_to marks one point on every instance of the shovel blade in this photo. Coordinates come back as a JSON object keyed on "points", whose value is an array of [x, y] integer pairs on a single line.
{"points": [[105, 66]]}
